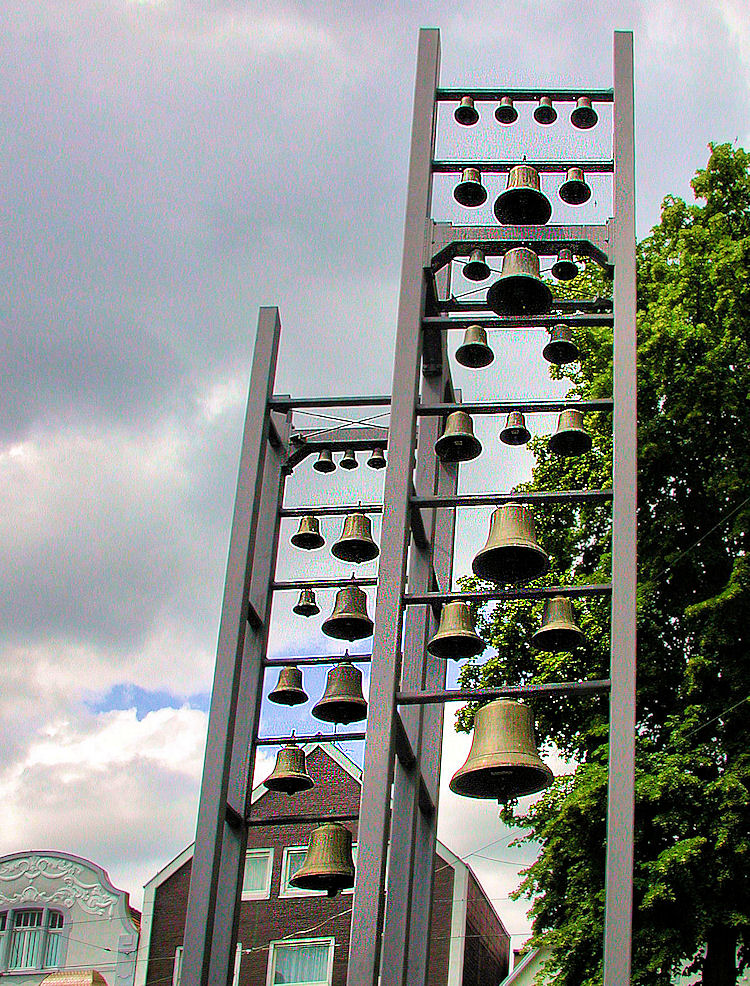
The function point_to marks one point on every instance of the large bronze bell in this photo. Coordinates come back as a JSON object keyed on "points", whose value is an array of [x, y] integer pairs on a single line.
{"points": [[571, 438], [574, 190], [561, 348], [503, 761], [308, 534], [474, 351], [506, 111], [523, 203], [545, 112], [342, 701], [476, 267], [349, 459], [515, 431], [466, 113], [349, 619], [565, 268], [511, 553], [456, 637], [328, 863], [325, 462], [458, 442], [289, 690], [558, 630], [307, 604], [520, 290], [584, 115], [377, 459], [356, 543], [289, 774], [470, 191]]}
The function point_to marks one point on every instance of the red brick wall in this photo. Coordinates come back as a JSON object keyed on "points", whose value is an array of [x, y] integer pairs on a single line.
{"points": [[487, 950]]}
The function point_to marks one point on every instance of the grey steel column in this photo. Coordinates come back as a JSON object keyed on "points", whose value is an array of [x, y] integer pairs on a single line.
{"points": [[620, 800]]}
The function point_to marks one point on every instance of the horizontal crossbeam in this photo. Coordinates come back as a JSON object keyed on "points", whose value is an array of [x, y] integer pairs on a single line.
{"points": [[488, 595], [443, 95], [493, 166], [489, 499], [502, 407], [502, 691]]}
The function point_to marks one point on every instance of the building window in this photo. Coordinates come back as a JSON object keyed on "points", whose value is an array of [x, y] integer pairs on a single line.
{"points": [[307, 962], [53, 940], [35, 939], [294, 857], [256, 880]]}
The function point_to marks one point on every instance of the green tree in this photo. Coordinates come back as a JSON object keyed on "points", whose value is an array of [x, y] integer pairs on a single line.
{"points": [[692, 892]]}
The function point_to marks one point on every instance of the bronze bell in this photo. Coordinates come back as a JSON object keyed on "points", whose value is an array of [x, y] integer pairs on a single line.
{"points": [[523, 203], [289, 690], [325, 462], [308, 534], [465, 113], [584, 115], [458, 442], [474, 351], [306, 604], [328, 863], [511, 553], [377, 459], [561, 348], [515, 431], [558, 630], [470, 191], [503, 761], [349, 619], [290, 774], [506, 111], [456, 637], [545, 112], [342, 701], [571, 438], [349, 460], [476, 268], [356, 543], [574, 189], [565, 268], [520, 289]]}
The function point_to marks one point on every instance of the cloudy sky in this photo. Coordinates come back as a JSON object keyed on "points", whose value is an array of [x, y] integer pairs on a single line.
{"points": [[166, 167]]}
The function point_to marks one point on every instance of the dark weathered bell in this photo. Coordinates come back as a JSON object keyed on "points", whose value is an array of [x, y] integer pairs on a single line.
{"points": [[349, 619], [523, 203], [289, 690], [558, 630], [465, 113], [503, 761], [520, 290], [325, 462], [506, 111], [328, 863], [545, 111], [456, 637], [565, 268], [476, 268], [342, 701], [377, 459], [349, 460], [356, 543], [474, 351], [515, 431], [511, 553], [571, 438], [584, 115], [308, 534], [561, 348], [306, 604], [458, 442], [574, 189], [470, 191], [290, 772]]}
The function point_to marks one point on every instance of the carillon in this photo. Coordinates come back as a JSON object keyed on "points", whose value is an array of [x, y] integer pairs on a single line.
{"points": [[466, 113], [476, 267], [584, 115], [289, 690], [565, 268], [349, 460], [306, 605], [289, 774], [523, 203], [474, 351], [520, 290], [558, 631], [458, 442], [342, 701], [545, 112], [574, 189], [506, 112], [377, 459], [511, 554], [325, 462], [470, 191], [308, 534], [356, 543], [349, 619], [515, 431], [328, 863], [560, 348], [456, 637], [571, 438]]}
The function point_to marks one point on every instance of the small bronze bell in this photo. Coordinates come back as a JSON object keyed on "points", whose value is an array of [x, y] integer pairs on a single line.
{"points": [[561, 348], [545, 112], [565, 268], [289, 775], [456, 637], [519, 289], [511, 553], [584, 115], [523, 203], [571, 438], [356, 543], [342, 701], [306, 604], [289, 690], [377, 459], [349, 619], [325, 462], [458, 442], [515, 431], [503, 761], [308, 534], [465, 113], [474, 351], [506, 111], [349, 460], [470, 191], [574, 189], [558, 630], [328, 863], [476, 268]]}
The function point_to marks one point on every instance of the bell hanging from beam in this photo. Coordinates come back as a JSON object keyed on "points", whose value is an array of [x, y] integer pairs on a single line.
{"points": [[503, 761], [325, 462], [328, 864], [356, 543], [584, 115], [506, 112], [574, 190], [308, 534], [515, 431], [545, 112], [306, 604], [289, 774], [565, 268], [571, 438], [561, 348], [377, 459], [476, 268], [558, 630], [470, 191], [349, 619], [342, 701], [458, 442], [511, 554], [466, 113], [456, 637], [474, 351], [289, 690], [519, 290], [349, 460], [523, 203]]}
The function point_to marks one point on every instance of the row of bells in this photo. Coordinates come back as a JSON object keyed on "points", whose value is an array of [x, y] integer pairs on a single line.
{"points": [[342, 701], [523, 203], [564, 268], [458, 443], [583, 117], [325, 463], [355, 544], [475, 352], [520, 289]]}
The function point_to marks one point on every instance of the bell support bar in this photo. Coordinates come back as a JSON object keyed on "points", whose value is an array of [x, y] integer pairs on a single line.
{"points": [[322, 584], [332, 511], [541, 592], [312, 738], [342, 816], [502, 407], [444, 323], [492, 499], [282, 402], [503, 691], [281, 662], [446, 95], [495, 167]]}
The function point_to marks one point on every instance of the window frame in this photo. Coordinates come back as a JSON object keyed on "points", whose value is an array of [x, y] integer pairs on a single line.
{"points": [[287, 891], [265, 893], [292, 942], [48, 914]]}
